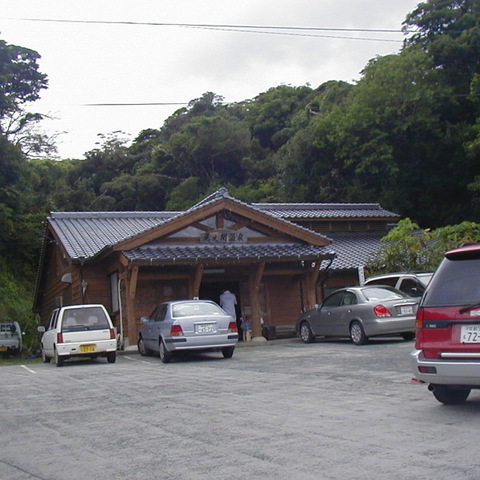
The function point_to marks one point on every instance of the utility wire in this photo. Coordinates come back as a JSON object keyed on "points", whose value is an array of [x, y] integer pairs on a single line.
{"points": [[206, 25], [258, 29]]}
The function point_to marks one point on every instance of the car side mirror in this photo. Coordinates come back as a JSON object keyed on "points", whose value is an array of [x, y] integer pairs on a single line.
{"points": [[41, 329], [144, 319], [318, 306]]}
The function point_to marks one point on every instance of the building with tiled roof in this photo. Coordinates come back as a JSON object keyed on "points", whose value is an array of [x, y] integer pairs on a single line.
{"points": [[277, 258]]}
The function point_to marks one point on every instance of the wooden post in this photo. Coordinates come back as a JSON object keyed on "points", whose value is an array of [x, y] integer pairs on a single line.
{"points": [[255, 279], [312, 280], [131, 289], [197, 281]]}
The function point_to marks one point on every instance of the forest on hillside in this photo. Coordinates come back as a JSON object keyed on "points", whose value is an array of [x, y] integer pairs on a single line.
{"points": [[406, 135]]}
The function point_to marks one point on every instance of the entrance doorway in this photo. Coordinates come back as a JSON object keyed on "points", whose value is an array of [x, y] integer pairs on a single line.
{"points": [[211, 290]]}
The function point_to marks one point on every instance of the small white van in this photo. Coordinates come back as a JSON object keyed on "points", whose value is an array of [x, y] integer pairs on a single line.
{"points": [[78, 331]]}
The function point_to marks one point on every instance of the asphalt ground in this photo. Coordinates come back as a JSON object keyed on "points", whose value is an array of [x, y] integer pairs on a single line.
{"points": [[281, 411]]}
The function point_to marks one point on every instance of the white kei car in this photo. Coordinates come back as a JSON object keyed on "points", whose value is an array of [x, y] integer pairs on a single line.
{"points": [[78, 331]]}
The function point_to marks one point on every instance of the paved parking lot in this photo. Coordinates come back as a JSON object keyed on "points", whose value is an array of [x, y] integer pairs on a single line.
{"points": [[283, 411]]}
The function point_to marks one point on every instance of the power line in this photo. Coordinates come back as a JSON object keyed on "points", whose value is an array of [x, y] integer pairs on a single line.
{"points": [[206, 25], [256, 29]]}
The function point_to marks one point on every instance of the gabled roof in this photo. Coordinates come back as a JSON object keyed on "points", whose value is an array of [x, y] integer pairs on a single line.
{"points": [[85, 235]]}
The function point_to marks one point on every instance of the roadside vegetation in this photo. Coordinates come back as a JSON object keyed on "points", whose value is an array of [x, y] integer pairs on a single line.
{"points": [[406, 135]]}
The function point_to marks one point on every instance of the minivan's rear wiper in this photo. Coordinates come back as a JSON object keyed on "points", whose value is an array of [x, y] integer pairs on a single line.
{"points": [[469, 307]]}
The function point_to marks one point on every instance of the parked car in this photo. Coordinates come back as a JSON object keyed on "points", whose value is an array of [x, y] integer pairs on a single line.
{"points": [[187, 325], [78, 331], [360, 313], [411, 283], [10, 339], [447, 354]]}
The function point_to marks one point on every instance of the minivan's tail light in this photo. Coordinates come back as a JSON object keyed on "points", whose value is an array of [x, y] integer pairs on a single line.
{"points": [[419, 318], [381, 311], [59, 337], [112, 334], [232, 327], [176, 331]]}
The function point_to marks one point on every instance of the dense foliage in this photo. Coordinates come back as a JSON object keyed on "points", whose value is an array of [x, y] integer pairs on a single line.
{"points": [[406, 135]]}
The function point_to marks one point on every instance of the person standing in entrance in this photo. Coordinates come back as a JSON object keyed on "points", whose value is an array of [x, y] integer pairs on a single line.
{"points": [[228, 300]]}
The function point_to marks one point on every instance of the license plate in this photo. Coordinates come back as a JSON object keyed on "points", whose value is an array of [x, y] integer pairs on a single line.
{"points": [[406, 310], [88, 348], [470, 334], [205, 328]]}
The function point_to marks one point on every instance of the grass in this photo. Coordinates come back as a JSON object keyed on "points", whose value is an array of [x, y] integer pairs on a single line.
{"points": [[9, 361]]}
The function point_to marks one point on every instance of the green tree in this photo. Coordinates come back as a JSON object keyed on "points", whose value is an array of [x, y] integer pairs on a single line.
{"points": [[407, 247], [21, 83]]}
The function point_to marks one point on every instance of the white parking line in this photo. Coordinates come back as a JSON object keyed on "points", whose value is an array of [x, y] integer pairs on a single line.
{"points": [[29, 369], [135, 359]]}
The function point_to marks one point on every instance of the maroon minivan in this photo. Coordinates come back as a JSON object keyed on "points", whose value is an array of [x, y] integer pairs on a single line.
{"points": [[447, 354]]}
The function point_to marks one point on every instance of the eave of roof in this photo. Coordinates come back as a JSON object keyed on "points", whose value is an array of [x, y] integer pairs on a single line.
{"points": [[175, 254], [332, 211]]}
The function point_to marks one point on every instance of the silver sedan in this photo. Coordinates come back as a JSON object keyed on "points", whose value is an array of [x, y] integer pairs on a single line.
{"points": [[360, 313], [187, 325]]}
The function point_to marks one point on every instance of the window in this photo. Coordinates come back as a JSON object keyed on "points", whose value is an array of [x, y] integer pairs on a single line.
{"points": [[349, 299], [333, 300]]}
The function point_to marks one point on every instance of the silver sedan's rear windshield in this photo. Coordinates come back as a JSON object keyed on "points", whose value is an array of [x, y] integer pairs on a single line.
{"points": [[456, 282], [373, 294], [194, 309]]}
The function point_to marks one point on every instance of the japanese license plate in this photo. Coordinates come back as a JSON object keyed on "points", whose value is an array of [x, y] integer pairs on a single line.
{"points": [[470, 334], [205, 328], [88, 348], [406, 310]]}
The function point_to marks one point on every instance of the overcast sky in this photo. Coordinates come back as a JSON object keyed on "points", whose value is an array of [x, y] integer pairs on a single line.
{"points": [[100, 63]]}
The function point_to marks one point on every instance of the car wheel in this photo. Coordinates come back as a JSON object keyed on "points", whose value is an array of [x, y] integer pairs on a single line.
{"points": [[45, 359], [165, 355], [306, 333], [357, 334], [143, 350], [227, 352], [59, 361], [449, 396], [408, 335], [111, 357]]}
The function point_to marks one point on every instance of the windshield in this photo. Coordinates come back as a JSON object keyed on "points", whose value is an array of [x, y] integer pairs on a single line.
{"points": [[373, 294], [456, 282]]}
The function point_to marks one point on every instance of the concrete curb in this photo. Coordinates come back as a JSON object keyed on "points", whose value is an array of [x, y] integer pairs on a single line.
{"points": [[133, 348]]}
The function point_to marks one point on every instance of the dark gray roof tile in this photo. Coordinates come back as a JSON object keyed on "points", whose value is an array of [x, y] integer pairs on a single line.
{"points": [[222, 252]]}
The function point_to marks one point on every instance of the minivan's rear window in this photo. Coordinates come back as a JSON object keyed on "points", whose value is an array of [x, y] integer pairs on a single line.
{"points": [[457, 282]]}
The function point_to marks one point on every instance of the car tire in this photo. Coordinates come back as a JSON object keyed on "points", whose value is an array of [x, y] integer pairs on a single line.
{"points": [[59, 361], [111, 357], [142, 349], [227, 352], [165, 355], [357, 334], [449, 396], [306, 333], [408, 335], [45, 359]]}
